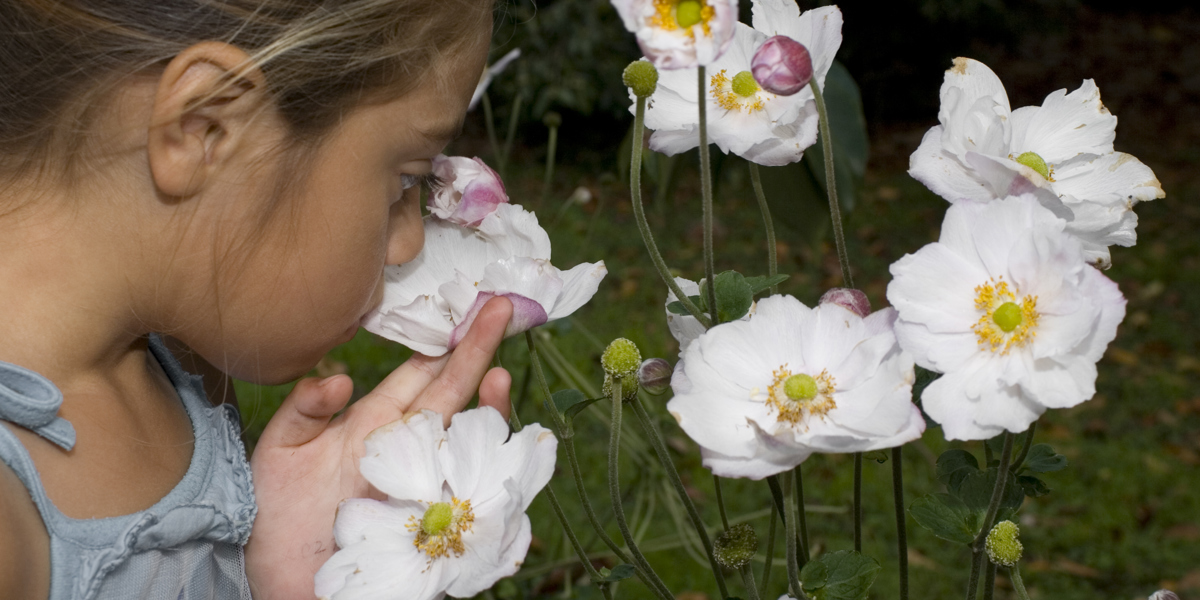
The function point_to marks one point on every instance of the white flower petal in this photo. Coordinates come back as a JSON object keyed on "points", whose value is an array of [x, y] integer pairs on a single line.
{"points": [[943, 173], [1067, 125], [400, 457], [483, 456], [359, 519], [579, 284]]}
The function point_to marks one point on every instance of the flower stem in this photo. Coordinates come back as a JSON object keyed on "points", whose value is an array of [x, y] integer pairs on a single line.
{"points": [[993, 507], [490, 121], [793, 570], [801, 519], [706, 193], [835, 211], [553, 146], [721, 502], [639, 214], [745, 570], [989, 581], [1018, 584], [1020, 460], [660, 449], [770, 557], [614, 490], [858, 501], [772, 260], [587, 505], [901, 524], [513, 120]]}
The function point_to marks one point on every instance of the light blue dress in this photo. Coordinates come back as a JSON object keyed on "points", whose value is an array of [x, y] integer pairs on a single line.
{"points": [[188, 546]]}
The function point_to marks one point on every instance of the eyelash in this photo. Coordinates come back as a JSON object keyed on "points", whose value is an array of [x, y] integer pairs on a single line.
{"points": [[429, 181]]}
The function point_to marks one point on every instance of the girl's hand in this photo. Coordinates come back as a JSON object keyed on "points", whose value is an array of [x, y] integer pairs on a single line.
{"points": [[305, 464]]}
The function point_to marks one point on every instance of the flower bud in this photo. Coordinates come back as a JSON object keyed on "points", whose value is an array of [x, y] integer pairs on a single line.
{"points": [[641, 77], [1002, 545], [621, 358], [782, 66], [655, 375], [552, 119], [469, 190], [735, 547], [853, 300], [629, 387], [1163, 595]]}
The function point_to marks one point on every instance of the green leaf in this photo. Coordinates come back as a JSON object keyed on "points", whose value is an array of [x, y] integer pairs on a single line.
{"points": [[996, 444], [947, 517], [953, 465], [619, 572], [1033, 487], [678, 308], [758, 284], [879, 456], [976, 491], [734, 296], [842, 575], [1043, 459], [565, 399]]}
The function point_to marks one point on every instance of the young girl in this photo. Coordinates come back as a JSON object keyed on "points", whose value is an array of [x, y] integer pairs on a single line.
{"points": [[217, 183]]}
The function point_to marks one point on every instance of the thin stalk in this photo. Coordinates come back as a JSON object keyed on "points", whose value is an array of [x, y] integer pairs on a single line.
{"points": [[747, 573], [721, 502], [802, 519], [660, 449], [587, 505], [835, 210], [614, 490], [793, 571], [772, 259], [901, 523], [989, 581], [858, 501], [490, 121], [514, 117], [639, 213], [770, 556], [777, 496], [550, 151], [706, 193], [1018, 585], [987, 455], [1020, 460], [993, 507]]}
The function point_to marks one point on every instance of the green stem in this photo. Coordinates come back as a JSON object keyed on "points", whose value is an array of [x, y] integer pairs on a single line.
{"points": [[901, 523], [770, 557], [772, 259], [1018, 584], [793, 570], [706, 193], [639, 214], [747, 573], [1016, 464], [576, 472], [490, 121], [990, 517], [614, 490], [989, 581], [513, 120], [858, 501], [973, 580], [660, 449], [550, 151], [801, 518], [835, 211], [721, 502]]}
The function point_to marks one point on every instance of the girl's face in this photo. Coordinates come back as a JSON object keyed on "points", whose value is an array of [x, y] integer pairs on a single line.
{"points": [[317, 267]]}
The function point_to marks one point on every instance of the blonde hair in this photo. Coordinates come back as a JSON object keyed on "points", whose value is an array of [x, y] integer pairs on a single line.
{"points": [[60, 59]]}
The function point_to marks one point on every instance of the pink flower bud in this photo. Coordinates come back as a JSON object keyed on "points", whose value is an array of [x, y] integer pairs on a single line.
{"points": [[853, 300], [782, 66], [655, 375], [469, 190]]}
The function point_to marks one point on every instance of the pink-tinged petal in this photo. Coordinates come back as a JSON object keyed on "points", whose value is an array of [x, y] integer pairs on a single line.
{"points": [[1067, 125], [471, 190], [855, 301], [527, 314], [400, 458], [782, 65], [579, 285], [943, 173], [480, 200]]}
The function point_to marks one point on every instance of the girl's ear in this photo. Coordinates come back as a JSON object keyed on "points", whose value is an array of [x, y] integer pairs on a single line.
{"points": [[204, 107]]}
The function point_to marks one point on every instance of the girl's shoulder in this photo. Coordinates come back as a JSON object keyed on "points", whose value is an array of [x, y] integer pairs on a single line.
{"points": [[24, 544]]}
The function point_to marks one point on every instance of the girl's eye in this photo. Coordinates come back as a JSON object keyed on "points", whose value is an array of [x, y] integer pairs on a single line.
{"points": [[429, 181]]}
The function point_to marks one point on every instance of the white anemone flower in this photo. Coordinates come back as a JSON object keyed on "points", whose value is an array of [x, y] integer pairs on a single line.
{"points": [[1006, 307], [744, 119], [1062, 151], [454, 521], [760, 396], [430, 302], [685, 328], [680, 34]]}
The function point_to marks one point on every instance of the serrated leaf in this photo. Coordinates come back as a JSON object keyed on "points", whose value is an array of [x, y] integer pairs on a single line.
{"points": [[953, 460], [947, 517], [758, 284], [842, 575], [734, 296], [1032, 486], [1043, 459], [619, 572]]}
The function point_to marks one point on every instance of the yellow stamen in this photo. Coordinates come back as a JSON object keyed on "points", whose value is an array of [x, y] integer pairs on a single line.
{"points": [[722, 91], [1007, 320], [440, 539], [793, 408], [682, 15]]}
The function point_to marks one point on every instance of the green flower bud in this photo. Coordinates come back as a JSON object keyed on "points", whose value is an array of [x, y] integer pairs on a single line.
{"points": [[629, 387], [552, 119], [1002, 545], [621, 358], [641, 77], [735, 547]]}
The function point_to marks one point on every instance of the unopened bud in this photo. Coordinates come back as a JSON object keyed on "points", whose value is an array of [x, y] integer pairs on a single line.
{"points": [[735, 547], [552, 119], [851, 299], [629, 387], [655, 375], [641, 77], [1002, 545], [782, 66]]}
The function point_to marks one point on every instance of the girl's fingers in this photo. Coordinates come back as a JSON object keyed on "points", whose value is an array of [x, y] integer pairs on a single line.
{"points": [[493, 391], [306, 411], [407, 382], [454, 387]]}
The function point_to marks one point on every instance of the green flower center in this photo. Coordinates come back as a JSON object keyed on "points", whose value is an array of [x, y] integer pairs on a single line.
{"points": [[687, 13], [1035, 162], [1007, 317], [800, 387], [621, 358], [744, 84], [437, 518]]}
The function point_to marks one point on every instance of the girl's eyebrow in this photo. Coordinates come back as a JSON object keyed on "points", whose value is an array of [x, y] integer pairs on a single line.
{"points": [[443, 132]]}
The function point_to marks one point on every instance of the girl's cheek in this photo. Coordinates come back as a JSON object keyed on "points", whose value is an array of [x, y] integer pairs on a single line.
{"points": [[406, 235]]}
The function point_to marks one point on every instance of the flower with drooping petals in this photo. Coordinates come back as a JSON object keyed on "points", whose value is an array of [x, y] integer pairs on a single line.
{"points": [[469, 191], [744, 119], [759, 396], [430, 302], [1006, 307], [782, 65], [454, 521], [680, 34], [1061, 151]]}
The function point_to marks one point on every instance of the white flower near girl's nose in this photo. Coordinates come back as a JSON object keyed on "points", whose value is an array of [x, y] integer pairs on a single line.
{"points": [[743, 118], [1006, 307], [1061, 151], [430, 302], [761, 395], [469, 190], [454, 521], [680, 34]]}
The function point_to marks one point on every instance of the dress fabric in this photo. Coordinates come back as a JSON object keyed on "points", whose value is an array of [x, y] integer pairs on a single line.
{"points": [[188, 546]]}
